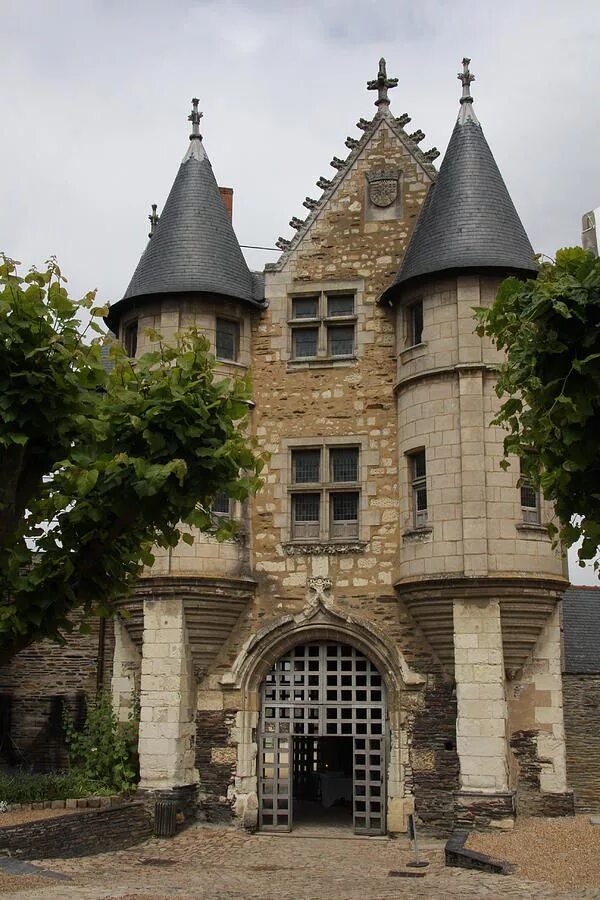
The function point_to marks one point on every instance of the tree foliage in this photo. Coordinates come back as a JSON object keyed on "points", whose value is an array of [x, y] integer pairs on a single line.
{"points": [[550, 330], [98, 466]]}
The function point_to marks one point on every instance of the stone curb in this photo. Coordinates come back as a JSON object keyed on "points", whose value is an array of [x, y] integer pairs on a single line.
{"points": [[459, 857]]}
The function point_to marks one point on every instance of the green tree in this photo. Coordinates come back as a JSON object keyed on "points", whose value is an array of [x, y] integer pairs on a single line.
{"points": [[113, 461], [550, 384]]}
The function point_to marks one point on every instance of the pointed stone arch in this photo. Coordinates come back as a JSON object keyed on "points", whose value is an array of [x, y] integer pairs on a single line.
{"points": [[319, 621]]}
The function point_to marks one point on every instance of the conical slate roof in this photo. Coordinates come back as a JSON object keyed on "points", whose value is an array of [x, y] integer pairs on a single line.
{"points": [[468, 220], [193, 248]]}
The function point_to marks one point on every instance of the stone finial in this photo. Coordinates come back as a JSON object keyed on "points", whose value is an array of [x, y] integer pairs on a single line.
{"points": [[194, 117], [309, 203], [337, 163], [296, 223], [283, 244], [417, 136], [324, 183], [154, 217], [363, 124], [403, 120], [351, 143], [382, 84], [465, 79], [431, 154]]}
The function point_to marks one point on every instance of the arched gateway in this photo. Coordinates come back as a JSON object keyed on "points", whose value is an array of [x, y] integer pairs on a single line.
{"points": [[322, 740]]}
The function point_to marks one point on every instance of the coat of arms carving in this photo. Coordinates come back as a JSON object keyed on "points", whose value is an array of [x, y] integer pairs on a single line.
{"points": [[384, 187]]}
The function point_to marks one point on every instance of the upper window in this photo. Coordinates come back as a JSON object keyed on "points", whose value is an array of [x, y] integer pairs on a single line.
{"points": [[228, 339], [325, 493], [414, 323], [323, 326], [530, 501], [418, 479], [130, 337]]}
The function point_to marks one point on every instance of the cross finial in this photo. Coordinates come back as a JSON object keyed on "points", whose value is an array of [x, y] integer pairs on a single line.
{"points": [[382, 84], [194, 117], [154, 217], [465, 79]]}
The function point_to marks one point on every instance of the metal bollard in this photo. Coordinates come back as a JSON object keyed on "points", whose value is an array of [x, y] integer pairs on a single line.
{"points": [[165, 818]]}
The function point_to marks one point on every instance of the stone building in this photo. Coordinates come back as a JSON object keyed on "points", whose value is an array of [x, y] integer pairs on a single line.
{"points": [[384, 635]]}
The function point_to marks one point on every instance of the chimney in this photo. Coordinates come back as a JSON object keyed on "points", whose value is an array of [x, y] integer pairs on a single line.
{"points": [[227, 198]]}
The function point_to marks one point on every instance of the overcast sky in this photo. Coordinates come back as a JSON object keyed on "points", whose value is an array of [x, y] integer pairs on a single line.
{"points": [[95, 96]]}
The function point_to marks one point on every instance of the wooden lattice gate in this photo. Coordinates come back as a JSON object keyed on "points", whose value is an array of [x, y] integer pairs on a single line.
{"points": [[322, 690]]}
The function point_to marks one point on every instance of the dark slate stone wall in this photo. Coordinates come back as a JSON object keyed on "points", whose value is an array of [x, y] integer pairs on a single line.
{"points": [[79, 834], [434, 760], [36, 684], [581, 701], [216, 762]]}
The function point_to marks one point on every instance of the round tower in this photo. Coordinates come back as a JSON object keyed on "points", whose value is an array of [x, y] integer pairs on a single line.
{"points": [[476, 565], [192, 273]]}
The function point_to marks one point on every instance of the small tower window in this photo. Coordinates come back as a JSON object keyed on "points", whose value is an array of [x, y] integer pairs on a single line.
{"points": [[414, 323], [530, 500], [227, 339], [130, 337], [418, 475]]}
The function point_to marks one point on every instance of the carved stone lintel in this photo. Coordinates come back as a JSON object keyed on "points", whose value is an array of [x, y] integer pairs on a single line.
{"points": [[323, 549]]}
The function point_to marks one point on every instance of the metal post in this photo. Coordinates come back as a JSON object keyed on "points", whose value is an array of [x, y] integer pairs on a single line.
{"points": [[415, 863]]}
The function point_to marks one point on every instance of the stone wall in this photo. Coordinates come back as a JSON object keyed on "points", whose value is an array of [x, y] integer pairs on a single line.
{"points": [[36, 684], [216, 761], [581, 697], [433, 756], [78, 834], [536, 727]]}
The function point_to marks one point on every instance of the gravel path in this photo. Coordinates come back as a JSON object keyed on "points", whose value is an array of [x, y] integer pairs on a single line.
{"points": [[205, 863], [563, 852]]}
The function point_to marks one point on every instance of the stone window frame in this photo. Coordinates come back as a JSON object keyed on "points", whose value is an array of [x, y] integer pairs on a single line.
{"points": [[411, 325], [531, 513], [322, 290], [237, 338], [419, 519], [130, 336], [325, 488]]}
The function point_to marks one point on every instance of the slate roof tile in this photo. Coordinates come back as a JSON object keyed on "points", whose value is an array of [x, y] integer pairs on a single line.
{"points": [[468, 219], [581, 630], [194, 248]]}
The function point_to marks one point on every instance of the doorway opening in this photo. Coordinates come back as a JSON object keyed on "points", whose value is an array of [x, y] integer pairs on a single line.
{"points": [[322, 741], [323, 780]]}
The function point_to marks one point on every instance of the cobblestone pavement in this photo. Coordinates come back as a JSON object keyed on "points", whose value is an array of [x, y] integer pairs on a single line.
{"points": [[219, 864]]}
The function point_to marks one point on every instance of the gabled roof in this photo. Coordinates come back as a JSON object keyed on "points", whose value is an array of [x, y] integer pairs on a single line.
{"points": [[193, 248], [581, 630], [342, 167], [468, 220]]}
